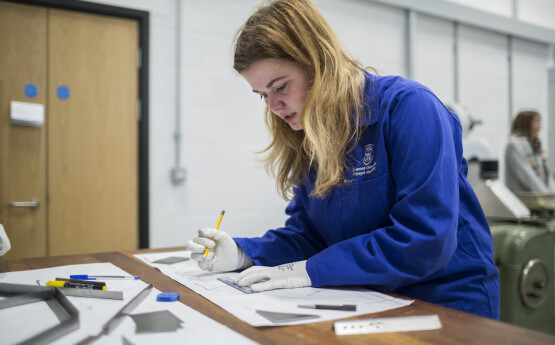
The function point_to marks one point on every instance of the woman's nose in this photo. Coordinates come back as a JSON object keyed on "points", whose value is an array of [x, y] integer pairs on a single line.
{"points": [[274, 103]]}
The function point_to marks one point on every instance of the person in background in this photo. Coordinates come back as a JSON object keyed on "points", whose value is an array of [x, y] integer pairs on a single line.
{"points": [[526, 163], [375, 169]]}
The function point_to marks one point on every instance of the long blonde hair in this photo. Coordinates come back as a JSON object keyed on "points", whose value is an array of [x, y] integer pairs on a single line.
{"points": [[295, 30]]}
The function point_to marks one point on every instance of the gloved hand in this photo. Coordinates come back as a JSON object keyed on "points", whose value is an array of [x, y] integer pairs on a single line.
{"points": [[225, 254], [287, 276], [4, 241]]}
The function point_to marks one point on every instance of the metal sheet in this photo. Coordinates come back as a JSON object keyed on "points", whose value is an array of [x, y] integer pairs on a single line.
{"points": [[63, 309]]}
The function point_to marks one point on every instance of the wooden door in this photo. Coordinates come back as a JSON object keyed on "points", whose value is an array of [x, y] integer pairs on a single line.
{"points": [[22, 148], [82, 164], [93, 133]]}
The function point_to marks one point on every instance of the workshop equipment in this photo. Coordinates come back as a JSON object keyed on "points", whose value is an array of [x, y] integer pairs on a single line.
{"points": [[524, 255]]}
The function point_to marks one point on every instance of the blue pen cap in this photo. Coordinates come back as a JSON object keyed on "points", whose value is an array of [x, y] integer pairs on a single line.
{"points": [[167, 297]]}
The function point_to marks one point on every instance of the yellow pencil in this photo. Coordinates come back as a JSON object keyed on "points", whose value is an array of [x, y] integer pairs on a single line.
{"points": [[217, 226]]}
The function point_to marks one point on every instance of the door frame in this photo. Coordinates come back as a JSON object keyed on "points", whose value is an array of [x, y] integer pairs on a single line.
{"points": [[143, 88]]}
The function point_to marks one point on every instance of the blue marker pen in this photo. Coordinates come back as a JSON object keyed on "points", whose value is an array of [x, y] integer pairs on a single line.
{"points": [[91, 277]]}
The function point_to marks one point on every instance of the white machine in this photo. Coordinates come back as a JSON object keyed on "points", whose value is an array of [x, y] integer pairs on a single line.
{"points": [[497, 201]]}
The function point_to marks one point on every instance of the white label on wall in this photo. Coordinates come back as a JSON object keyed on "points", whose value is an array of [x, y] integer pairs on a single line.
{"points": [[27, 114]]}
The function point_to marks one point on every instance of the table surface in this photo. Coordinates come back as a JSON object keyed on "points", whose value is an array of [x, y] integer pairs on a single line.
{"points": [[457, 327]]}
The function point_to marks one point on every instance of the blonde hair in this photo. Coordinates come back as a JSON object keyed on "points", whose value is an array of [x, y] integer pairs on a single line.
{"points": [[295, 30]]}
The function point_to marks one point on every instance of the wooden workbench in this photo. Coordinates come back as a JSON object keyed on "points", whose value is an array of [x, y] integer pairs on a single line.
{"points": [[458, 327]]}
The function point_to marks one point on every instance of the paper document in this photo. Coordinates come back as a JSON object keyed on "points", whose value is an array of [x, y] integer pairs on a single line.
{"points": [[264, 308], [21, 322]]}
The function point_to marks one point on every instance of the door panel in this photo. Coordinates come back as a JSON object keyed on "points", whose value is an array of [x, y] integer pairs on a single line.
{"points": [[93, 134], [81, 165], [22, 148]]}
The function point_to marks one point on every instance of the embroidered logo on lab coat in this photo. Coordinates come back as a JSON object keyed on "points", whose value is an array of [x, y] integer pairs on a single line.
{"points": [[367, 160], [368, 154]]}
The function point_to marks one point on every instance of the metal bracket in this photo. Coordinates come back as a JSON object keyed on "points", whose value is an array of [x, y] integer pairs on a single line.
{"points": [[19, 294]]}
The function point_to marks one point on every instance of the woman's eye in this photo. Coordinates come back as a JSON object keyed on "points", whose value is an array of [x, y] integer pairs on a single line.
{"points": [[263, 95], [281, 88]]}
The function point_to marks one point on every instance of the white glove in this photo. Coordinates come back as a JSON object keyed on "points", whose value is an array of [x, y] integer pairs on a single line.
{"points": [[224, 255], [286, 276], [4, 241]]}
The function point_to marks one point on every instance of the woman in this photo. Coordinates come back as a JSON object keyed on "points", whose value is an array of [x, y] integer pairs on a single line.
{"points": [[375, 166], [526, 168]]}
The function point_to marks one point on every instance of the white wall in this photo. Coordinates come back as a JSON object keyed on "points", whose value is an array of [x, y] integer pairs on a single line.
{"points": [[538, 12], [484, 83], [371, 33], [221, 120], [434, 56]]}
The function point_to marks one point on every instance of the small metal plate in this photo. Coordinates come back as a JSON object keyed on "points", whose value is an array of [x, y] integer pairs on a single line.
{"points": [[285, 317]]}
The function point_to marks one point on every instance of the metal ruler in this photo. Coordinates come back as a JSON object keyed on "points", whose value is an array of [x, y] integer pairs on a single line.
{"points": [[392, 324], [116, 319], [126, 310], [76, 292]]}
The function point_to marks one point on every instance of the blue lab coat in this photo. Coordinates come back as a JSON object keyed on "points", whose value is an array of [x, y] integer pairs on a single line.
{"points": [[405, 220]]}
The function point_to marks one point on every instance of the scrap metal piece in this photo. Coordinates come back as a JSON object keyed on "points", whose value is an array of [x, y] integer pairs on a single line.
{"points": [[126, 310], [114, 321], [156, 321], [23, 294]]}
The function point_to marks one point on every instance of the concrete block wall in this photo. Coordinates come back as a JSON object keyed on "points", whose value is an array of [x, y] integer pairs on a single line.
{"points": [[221, 119]]}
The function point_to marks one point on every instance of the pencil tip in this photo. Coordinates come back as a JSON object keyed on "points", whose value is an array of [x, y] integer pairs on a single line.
{"points": [[223, 211]]}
